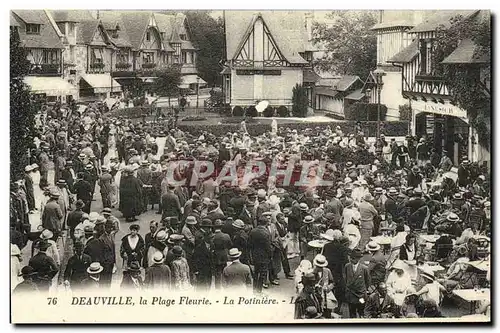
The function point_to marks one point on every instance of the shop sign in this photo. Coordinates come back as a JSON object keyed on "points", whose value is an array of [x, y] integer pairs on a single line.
{"points": [[437, 108]]}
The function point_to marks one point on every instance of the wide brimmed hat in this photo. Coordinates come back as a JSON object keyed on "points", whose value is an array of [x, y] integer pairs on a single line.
{"points": [[27, 271], [309, 279], [28, 168], [303, 206], [238, 224], [46, 234], [428, 275], [356, 254], [308, 219], [191, 220], [320, 261], [452, 217], [106, 211], [175, 238], [234, 253], [372, 246], [393, 191], [54, 194], [379, 190], [93, 216], [158, 257], [206, 223], [95, 268], [161, 235], [349, 202], [89, 167], [328, 235], [458, 196], [177, 250], [43, 245], [398, 264]]}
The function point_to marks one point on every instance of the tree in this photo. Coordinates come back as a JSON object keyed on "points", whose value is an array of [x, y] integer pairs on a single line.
{"points": [[22, 108], [207, 34], [350, 46], [167, 81], [467, 81], [299, 101]]}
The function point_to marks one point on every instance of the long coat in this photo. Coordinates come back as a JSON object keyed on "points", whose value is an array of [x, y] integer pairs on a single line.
{"points": [[132, 254], [52, 216], [158, 276], [240, 241], [357, 282], [203, 260], [222, 244], [259, 245], [130, 196]]}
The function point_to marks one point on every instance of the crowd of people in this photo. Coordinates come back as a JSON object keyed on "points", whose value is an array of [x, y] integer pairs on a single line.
{"points": [[369, 244]]}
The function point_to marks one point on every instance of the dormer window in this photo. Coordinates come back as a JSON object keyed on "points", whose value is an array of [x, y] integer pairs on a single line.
{"points": [[33, 29], [183, 37]]}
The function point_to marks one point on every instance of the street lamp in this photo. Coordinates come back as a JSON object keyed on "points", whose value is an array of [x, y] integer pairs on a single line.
{"points": [[197, 91], [379, 74]]}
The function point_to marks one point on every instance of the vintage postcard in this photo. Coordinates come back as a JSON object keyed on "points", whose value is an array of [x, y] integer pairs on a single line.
{"points": [[251, 166]]}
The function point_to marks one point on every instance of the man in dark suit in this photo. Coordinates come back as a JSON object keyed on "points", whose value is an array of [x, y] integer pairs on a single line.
{"points": [[76, 269], [308, 297], [260, 250], [240, 240], [237, 202], [28, 184], [83, 191], [222, 243], [236, 275], [203, 260], [44, 267], [171, 206], [148, 239], [380, 305], [357, 279], [75, 217]]}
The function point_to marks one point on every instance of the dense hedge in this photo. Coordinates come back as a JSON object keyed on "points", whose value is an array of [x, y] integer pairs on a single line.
{"points": [[364, 111], [392, 128]]}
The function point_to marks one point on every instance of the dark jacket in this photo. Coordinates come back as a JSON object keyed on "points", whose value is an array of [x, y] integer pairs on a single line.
{"points": [[44, 267], [203, 259], [158, 276], [376, 267], [357, 282], [74, 218], [305, 300], [52, 216], [83, 190], [222, 244], [127, 282], [76, 269], [259, 245], [170, 205], [373, 307], [240, 241], [130, 196], [132, 254]]}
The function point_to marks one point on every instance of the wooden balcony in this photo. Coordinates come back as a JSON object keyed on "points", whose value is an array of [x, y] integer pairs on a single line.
{"points": [[123, 66], [46, 69], [97, 68]]}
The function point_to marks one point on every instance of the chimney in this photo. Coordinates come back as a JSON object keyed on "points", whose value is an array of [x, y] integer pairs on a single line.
{"points": [[308, 20]]}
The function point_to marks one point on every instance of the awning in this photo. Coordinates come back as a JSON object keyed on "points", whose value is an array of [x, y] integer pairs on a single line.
{"points": [[406, 55], [356, 95], [51, 86], [183, 86], [102, 83], [310, 76], [326, 91], [466, 53], [192, 79]]}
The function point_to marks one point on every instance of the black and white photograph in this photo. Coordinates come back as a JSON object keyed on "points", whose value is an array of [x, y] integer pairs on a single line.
{"points": [[250, 166]]}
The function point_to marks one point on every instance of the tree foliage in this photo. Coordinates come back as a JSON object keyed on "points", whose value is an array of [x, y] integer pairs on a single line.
{"points": [[350, 46], [468, 82], [299, 101], [167, 81], [22, 108], [207, 34]]}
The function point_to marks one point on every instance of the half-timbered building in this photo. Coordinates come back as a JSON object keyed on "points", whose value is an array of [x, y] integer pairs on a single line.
{"points": [[267, 54], [433, 112]]}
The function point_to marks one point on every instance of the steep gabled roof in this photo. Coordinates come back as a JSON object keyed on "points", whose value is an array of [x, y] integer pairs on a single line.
{"points": [[136, 24], [465, 53], [442, 18], [48, 37], [13, 21], [286, 27], [71, 15], [406, 55], [112, 20], [346, 82], [166, 23]]}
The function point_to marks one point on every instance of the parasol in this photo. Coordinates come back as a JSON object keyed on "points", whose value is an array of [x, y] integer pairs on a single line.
{"points": [[261, 106]]}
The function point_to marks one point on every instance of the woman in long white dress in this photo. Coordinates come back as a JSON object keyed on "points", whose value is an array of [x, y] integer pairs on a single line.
{"points": [[398, 282]]}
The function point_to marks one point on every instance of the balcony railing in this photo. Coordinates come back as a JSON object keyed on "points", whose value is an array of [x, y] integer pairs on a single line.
{"points": [[149, 65], [45, 69], [123, 65], [97, 67], [429, 77]]}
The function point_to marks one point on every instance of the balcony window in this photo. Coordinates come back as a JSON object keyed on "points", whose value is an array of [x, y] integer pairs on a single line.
{"points": [[50, 57], [148, 58], [122, 57], [426, 57], [33, 29], [96, 56]]}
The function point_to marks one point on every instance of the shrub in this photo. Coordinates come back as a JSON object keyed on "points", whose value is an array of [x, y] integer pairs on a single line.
{"points": [[238, 111], [268, 112], [364, 111], [405, 112], [251, 111], [283, 111], [299, 101]]}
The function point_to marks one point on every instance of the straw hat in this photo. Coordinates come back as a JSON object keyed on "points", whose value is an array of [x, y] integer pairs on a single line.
{"points": [[161, 235], [398, 264], [191, 220], [328, 235], [238, 224], [428, 274], [320, 261], [158, 258], [46, 234], [95, 268], [234, 253], [308, 219], [372, 246]]}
